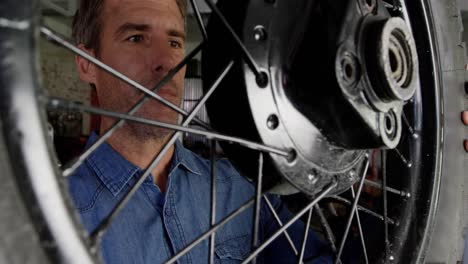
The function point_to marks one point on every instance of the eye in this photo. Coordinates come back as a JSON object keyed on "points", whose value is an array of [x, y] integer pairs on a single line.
{"points": [[135, 38], [175, 44]]}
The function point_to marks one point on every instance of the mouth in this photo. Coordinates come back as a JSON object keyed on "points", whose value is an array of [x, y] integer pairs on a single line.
{"points": [[168, 90], [167, 93]]}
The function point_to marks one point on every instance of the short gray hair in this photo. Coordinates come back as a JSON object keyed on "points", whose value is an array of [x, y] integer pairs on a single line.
{"points": [[87, 24]]}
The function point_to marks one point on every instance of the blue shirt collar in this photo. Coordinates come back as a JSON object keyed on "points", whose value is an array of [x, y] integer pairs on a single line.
{"points": [[115, 171]]}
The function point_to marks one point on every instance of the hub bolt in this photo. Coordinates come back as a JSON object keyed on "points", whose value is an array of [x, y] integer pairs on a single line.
{"points": [[260, 33], [272, 122]]}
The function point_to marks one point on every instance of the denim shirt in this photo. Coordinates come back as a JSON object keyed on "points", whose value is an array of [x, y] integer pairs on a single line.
{"points": [[153, 226]]}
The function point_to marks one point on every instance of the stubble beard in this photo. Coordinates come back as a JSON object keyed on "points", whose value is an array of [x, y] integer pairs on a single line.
{"points": [[147, 133], [139, 132]]}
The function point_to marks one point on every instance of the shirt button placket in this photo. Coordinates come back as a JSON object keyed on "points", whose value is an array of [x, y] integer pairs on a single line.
{"points": [[167, 212], [170, 222]]}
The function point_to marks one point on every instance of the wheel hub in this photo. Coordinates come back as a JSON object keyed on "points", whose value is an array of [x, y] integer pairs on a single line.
{"points": [[332, 83]]}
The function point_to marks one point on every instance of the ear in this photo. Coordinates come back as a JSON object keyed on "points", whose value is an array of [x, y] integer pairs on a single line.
{"points": [[86, 69]]}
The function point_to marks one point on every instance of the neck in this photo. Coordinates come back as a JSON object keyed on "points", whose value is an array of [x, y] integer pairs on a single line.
{"points": [[142, 152]]}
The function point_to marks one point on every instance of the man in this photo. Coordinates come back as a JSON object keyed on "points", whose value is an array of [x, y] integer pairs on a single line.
{"points": [[144, 39]]}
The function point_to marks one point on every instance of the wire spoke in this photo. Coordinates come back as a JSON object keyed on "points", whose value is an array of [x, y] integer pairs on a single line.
{"points": [[69, 170], [396, 6], [248, 57], [413, 133], [388, 189], [364, 209], [201, 25], [280, 223], [100, 230], [384, 196], [326, 226], [289, 223], [306, 234], [353, 209], [211, 231], [60, 103], [258, 199], [388, 5], [49, 33], [213, 198], [361, 235], [407, 162], [332, 209]]}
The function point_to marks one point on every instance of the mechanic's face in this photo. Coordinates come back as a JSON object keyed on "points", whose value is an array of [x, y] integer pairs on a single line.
{"points": [[143, 39]]}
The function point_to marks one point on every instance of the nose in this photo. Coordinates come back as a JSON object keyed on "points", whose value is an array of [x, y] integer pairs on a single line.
{"points": [[163, 57]]}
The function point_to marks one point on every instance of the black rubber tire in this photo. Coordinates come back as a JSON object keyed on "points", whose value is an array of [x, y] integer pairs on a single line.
{"points": [[28, 168], [18, 232], [449, 228]]}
